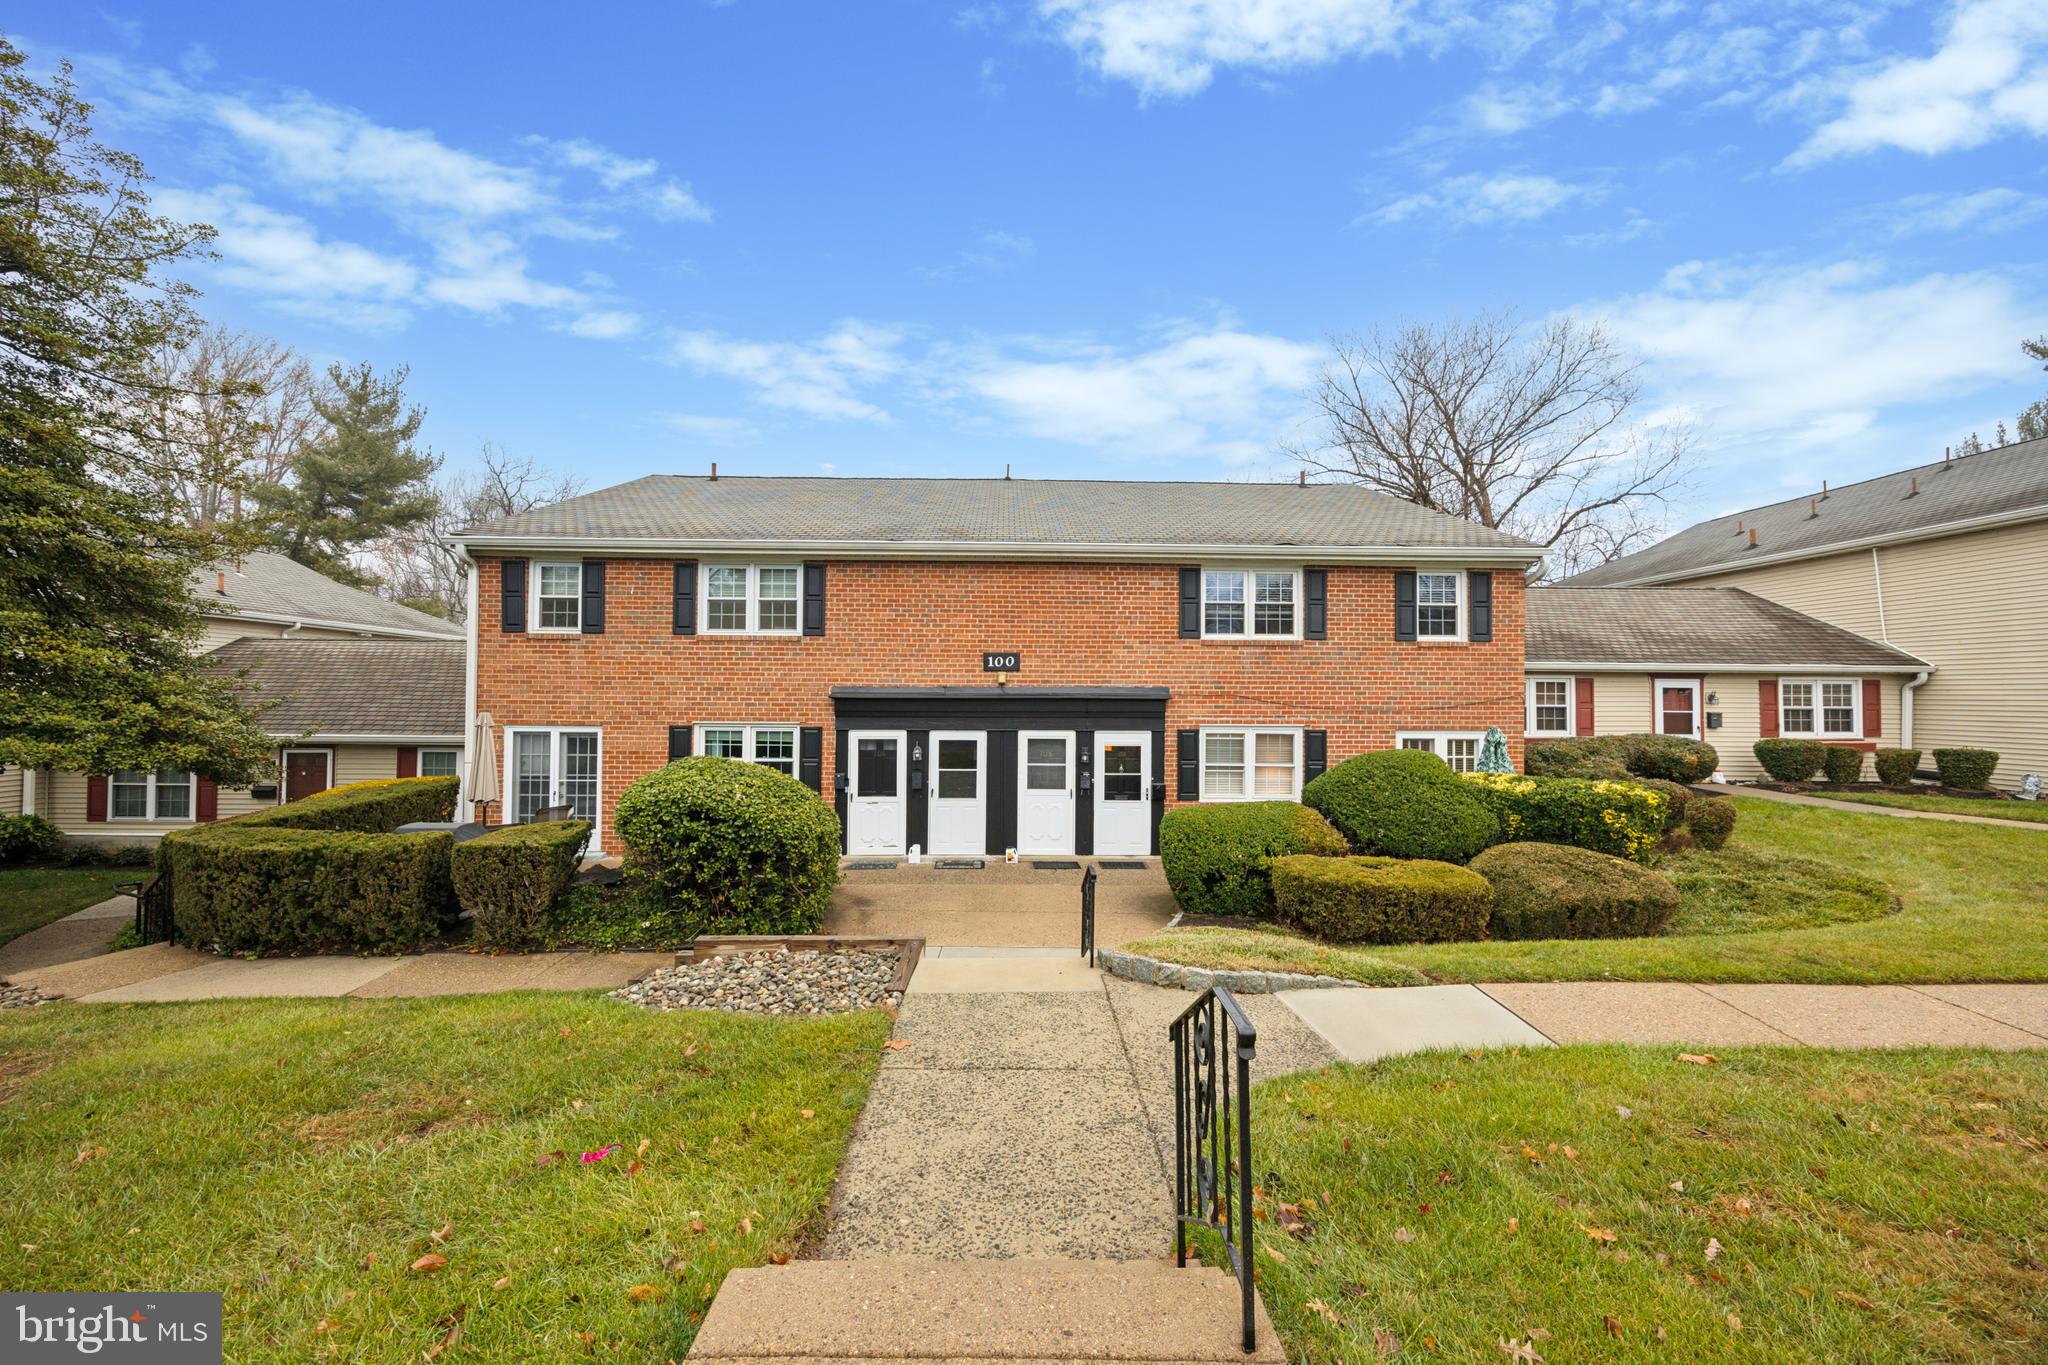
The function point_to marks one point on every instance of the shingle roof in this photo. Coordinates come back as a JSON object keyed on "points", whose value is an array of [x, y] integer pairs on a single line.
{"points": [[269, 584], [682, 510], [409, 688], [1669, 627], [2009, 480]]}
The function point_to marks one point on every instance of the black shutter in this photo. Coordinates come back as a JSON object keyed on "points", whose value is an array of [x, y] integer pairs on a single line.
{"points": [[512, 591], [1190, 604], [1315, 754], [1315, 598], [686, 597], [1480, 584], [810, 758], [1187, 751], [593, 597], [814, 599], [1404, 604], [678, 742]]}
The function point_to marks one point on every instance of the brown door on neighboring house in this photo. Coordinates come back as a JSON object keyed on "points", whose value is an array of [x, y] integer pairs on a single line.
{"points": [[1678, 702], [305, 772]]}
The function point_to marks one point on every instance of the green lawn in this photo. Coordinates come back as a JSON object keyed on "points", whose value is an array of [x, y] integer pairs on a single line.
{"points": [[1973, 907], [31, 897], [1615, 1203], [2031, 812], [301, 1156]]}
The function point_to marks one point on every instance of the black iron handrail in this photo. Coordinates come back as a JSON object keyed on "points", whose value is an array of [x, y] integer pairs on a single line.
{"points": [[1088, 914], [153, 922], [1212, 1134]]}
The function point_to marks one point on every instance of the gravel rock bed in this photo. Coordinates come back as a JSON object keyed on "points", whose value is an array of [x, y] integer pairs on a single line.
{"points": [[13, 997], [776, 981]]}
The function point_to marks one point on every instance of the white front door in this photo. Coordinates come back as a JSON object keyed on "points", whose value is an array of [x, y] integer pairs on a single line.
{"points": [[1678, 707], [874, 797], [1045, 791], [959, 791], [1123, 792]]}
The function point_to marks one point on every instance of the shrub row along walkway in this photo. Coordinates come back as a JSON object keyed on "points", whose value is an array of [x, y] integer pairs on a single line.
{"points": [[1861, 808]]}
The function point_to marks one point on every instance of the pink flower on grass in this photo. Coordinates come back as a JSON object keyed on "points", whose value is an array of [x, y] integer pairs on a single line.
{"points": [[592, 1158]]}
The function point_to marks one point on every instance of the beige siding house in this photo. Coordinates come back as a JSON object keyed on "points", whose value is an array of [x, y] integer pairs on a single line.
{"points": [[1944, 562]]}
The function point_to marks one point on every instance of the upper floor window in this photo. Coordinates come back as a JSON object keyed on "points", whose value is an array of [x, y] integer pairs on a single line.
{"points": [[1820, 707], [1439, 606], [1253, 764], [165, 794], [1241, 604], [558, 595], [752, 598], [1550, 706], [771, 746]]}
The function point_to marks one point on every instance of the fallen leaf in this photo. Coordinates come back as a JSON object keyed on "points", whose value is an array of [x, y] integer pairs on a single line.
{"points": [[1623, 1111], [86, 1154], [326, 1325], [646, 1293], [1744, 1207], [1403, 1236], [1697, 1058], [576, 1104], [1385, 1342], [1570, 1153], [1538, 1334], [1714, 1248], [1275, 1253], [897, 1044], [1533, 1155], [1660, 1331], [1442, 1178], [1599, 1234], [746, 1227], [447, 1231], [696, 1225], [448, 1338], [430, 1263], [635, 1166], [806, 1113], [1678, 1185], [1324, 1311], [1518, 1350], [1734, 1323], [1613, 1326], [1855, 1300], [1514, 1224], [501, 1282], [641, 1150], [1802, 1291], [550, 1159]]}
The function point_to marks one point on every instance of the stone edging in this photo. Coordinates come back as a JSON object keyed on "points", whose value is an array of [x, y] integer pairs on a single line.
{"points": [[1152, 972]]}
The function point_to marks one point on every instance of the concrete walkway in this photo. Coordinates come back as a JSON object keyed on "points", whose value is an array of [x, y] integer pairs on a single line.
{"points": [[1801, 799]]}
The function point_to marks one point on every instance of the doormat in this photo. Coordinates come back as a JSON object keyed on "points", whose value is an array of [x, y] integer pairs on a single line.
{"points": [[870, 865], [1054, 865], [1108, 866], [945, 864]]}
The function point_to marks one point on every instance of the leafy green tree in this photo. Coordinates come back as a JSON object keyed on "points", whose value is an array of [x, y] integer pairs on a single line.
{"points": [[97, 670], [360, 480], [2033, 423]]}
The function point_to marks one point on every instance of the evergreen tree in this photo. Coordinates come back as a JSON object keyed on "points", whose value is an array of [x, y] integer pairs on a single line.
{"points": [[2033, 423]]}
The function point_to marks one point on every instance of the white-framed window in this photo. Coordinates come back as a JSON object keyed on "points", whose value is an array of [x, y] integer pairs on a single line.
{"points": [[553, 766], [752, 599], [1820, 708], [1459, 748], [1439, 604], [440, 763], [558, 595], [1550, 707], [771, 746], [1251, 604], [166, 794], [1250, 763]]}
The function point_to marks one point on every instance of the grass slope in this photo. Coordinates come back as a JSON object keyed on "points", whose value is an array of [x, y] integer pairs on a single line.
{"points": [[301, 1155], [31, 897], [1867, 1206]]}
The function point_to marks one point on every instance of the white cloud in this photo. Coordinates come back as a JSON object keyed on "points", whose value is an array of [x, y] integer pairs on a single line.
{"points": [[816, 377], [611, 169], [672, 200], [606, 325], [485, 271], [1474, 200], [1992, 210], [723, 431], [1173, 47], [993, 253], [284, 256]]}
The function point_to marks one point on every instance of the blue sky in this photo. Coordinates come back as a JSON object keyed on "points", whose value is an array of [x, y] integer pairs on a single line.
{"points": [[1099, 237]]}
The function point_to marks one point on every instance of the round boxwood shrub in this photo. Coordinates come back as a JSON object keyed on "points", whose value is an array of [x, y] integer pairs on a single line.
{"points": [[740, 848], [1677, 796], [28, 839], [1215, 856], [1710, 820], [1842, 763], [1403, 803], [1670, 757], [1791, 760], [1969, 769], [1553, 891], [1895, 767], [1381, 900]]}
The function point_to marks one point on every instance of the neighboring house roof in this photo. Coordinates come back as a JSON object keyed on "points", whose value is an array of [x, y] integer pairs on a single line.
{"points": [[267, 586], [1691, 628], [1996, 487], [388, 689], [1013, 518]]}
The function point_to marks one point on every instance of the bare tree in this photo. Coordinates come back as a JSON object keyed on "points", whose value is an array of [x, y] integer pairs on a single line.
{"points": [[418, 567], [224, 414], [1525, 430]]}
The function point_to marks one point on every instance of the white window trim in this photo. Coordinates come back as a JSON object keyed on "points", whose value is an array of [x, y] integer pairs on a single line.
{"points": [[533, 607], [1249, 636], [508, 786], [751, 734], [1530, 729], [1855, 730], [1437, 737], [1699, 704], [420, 765], [1464, 608], [1250, 733], [191, 815], [753, 569]]}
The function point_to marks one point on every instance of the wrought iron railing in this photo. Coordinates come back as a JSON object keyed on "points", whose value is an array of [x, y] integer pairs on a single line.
{"points": [[1213, 1047], [1088, 914], [153, 923]]}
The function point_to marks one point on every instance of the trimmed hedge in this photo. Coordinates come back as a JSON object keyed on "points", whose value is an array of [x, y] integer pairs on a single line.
{"points": [[1550, 891], [1677, 796], [741, 848], [28, 839], [1710, 821], [1667, 757], [1381, 900], [1791, 760], [1842, 764], [1969, 769], [251, 887], [1624, 819], [1215, 856], [507, 879], [1403, 803], [1895, 767], [373, 807]]}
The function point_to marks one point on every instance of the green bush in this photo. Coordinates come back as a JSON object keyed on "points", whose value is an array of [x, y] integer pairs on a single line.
{"points": [[1381, 900], [1550, 891], [1895, 767], [1710, 821], [508, 878], [1791, 760], [742, 848], [28, 839], [374, 807], [1403, 803], [1670, 758], [1215, 856], [250, 887], [1842, 763], [1621, 818], [1677, 796], [1969, 769]]}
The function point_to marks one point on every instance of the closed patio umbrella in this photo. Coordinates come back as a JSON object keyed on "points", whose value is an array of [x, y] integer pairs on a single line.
{"points": [[483, 763]]}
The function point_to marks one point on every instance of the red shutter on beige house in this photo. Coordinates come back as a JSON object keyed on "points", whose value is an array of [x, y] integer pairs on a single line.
{"points": [[1873, 708], [1584, 696], [95, 799], [408, 760], [206, 806], [1767, 708]]}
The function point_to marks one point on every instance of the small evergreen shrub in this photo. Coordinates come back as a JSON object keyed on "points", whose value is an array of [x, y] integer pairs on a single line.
{"points": [[1969, 769], [1842, 763], [255, 888], [1381, 900], [507, 879], [1677, 796], [739, 847], [1215, 856], [1895, 767], [1551, 891], [1670, 758], [1710, 821], [1403, 803], [1791, 760], [1621, 818], [28, 839]]}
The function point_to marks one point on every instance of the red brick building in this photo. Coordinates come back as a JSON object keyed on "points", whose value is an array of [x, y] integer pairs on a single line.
{"points": [[974, 665]]}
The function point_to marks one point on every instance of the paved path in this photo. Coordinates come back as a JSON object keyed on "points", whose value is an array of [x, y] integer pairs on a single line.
{"points": [[1801, 799], [999, 903]]}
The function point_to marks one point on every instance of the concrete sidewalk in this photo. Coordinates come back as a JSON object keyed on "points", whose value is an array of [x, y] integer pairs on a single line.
{"points": [[1859, 808]]}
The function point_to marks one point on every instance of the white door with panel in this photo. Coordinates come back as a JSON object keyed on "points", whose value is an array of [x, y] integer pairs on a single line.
{"points": [[958, 810], [1045, 791], [874, 793], [1123, 792]]}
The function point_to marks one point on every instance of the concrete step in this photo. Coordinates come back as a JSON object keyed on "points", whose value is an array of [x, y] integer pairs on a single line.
{"points": [[1014, 1311]]}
